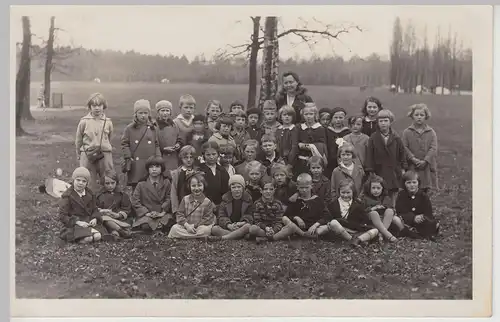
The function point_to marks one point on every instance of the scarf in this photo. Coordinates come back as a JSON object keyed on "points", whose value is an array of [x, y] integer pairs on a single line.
{"points": [[344, 207], [348, 168]]}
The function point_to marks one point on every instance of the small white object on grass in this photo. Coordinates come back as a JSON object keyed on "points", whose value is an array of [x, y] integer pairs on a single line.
{"points": [[57, 161], [59, 172]]}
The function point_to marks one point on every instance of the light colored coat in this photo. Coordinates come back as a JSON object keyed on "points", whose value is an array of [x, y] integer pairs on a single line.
{"points": [[88, 133], [340, 173]]}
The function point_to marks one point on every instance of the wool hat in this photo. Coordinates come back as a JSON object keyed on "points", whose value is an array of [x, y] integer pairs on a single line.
{"points": [[142, 105], [236, 178], [163, 104], [81, 172], [339, 109]]}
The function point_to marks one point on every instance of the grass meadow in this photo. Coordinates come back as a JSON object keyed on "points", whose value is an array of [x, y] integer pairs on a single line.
{"points": [[147, 267]]}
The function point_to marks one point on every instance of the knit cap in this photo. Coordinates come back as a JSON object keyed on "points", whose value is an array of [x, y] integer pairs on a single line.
{"points": [[339, 109], [81, 172], [142, 105], [163, 104], [236, 178]]}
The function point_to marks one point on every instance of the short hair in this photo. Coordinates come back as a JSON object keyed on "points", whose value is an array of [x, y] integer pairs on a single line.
{"points": [[227, 149], [347, 147], [280, 168], [349, 184], [313, 107], [254, 110], [373, 178], [185, 150], [268, 138], [224, 120], [213, 102], [385, 114], [250, 142], [155, 160], [315, 159], [210, 145], [269, 105], [287, 110], [96, 99], [304, 178], [419, 106], [240, 113], [352, 119], [255, 165], [371, 99], [200, 177], [411, 175], [199, 118], [236, 103], [186, 98], [267, 180]]}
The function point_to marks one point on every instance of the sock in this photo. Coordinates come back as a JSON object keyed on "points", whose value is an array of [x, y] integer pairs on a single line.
{"points": [[369, 235]]}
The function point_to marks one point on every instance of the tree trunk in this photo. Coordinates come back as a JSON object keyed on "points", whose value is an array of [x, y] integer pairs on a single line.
{"points": [[23, 76], [48, 63], [252, 66], [270, 61]]}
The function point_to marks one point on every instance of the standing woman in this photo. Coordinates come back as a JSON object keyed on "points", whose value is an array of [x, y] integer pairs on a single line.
{"points": [[293, 93], [93, 141], [139, 142]]}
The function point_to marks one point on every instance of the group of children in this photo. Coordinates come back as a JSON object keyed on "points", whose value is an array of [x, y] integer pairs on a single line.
{"points": [[262, 174]]}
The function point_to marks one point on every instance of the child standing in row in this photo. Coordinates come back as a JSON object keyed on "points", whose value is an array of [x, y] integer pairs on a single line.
{"points": [[321, 185], [184, 121], [287, 135], [196, 213], [215, 175], [226, 158], [370, 110], [269, 155], [420, 142], [223, 134], [253, 129], [357, 138], [179, 188], [270, 123], [239, 132], [250, 148], [213, 111], [169, 136], [285, 187], [335, 132], [198, 136], [325, 117], [256, 172]]}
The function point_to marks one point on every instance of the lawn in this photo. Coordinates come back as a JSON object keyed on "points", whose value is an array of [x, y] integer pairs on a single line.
{"points": [[146, 267]]}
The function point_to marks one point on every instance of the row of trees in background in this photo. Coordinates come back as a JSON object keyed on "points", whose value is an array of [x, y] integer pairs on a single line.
{"points": [[447, 64]]}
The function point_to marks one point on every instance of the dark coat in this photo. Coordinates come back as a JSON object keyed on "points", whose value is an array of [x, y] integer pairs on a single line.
{"points": [[287, 142], [225, 210], [387, 161], [356, 218], [301, 98], [332, 147], [217, 185], [73, 208], [116, 201], [311, 211]]}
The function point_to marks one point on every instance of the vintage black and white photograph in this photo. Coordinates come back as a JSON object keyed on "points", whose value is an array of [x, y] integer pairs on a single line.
{"points": [[171, 152]]}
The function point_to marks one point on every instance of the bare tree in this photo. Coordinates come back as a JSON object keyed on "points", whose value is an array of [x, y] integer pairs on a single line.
{"points": [[252, 66], [396, 52], [23, 75], [270, 61]]}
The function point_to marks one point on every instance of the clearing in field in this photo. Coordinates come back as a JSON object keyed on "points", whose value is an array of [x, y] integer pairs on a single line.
{"points": [[146, 267]]}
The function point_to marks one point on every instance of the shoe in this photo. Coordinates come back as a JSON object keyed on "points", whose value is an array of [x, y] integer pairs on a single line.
{"points": [[213, 238], [260, 240], [355, 242]]}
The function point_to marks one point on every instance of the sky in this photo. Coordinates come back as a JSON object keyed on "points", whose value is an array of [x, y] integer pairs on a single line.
{"points": [[193, 30]]}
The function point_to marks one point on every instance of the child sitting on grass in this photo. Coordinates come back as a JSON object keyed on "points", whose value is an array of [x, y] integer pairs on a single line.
{"points": [[115, 206], [308, 211], [151, 199], [414, 206], [235, 213], [268, 217], [179, 187], [196, 213], [78, 211]]}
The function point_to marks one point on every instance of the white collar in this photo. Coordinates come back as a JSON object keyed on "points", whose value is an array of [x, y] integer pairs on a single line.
{"points": [[273, 157], [286, 127], [81, 194], [314, 126], [350, 168]]}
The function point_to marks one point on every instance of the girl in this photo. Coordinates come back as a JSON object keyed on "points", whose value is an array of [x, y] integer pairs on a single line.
{"points": [[293, 94], [114, 206], [285, 187], [78, 211], [239, 132], [335, 132], [236, 107], [377, 204], [223, 134], [198, 136], [179, 176], [226, 159], [347, 169], [151, 199], [235, 213], [268, 216], [256, 172], [357, 138], [169, 137], [370, 109], [325, 117], [253, 128], [93, 140], [139, 142], [287, 135], [312, 139], [321, 185], [386, 155], [414, 206], [184, 120], [348, 216], [420, 142], [213, 111], [215, 175], [196, 213], [250, 148]]}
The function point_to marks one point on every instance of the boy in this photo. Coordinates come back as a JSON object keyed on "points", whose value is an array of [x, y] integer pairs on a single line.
{"points": [[199, 135], [235, 213], [236, 106], [253, 129], [223, 136], [269, 155], [239, 133], [184, 120], [270, 124], [308, 211], [268, 216], [337, 131]]}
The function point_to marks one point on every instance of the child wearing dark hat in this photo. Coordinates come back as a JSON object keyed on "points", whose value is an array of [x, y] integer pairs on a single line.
{"points": [[151, 198], [253, 127], [199, 135], [78, 211], [235, 213], [169, 136], [325, 116], [336, 131]]}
